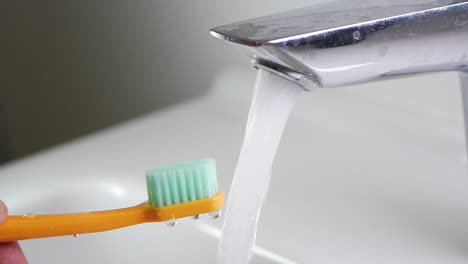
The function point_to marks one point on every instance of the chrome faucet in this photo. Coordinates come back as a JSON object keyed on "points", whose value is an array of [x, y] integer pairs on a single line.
{"points": [[349, 42], [355, 41]]}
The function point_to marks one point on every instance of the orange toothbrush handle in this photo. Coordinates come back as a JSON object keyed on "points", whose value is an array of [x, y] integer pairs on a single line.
{"points": [[40, 226]]}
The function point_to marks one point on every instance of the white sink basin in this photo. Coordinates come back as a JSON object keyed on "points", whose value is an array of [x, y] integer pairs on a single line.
{"points": [[369, 174]]}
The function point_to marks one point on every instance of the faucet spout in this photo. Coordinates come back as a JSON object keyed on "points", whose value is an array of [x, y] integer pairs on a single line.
{"points": [[349, 42]]}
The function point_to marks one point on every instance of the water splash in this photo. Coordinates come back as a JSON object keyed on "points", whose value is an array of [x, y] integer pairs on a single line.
{"points": [[272, 103]]}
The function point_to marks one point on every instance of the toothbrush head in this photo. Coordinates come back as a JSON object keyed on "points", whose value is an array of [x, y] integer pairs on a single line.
{"points": [[185, 189]]}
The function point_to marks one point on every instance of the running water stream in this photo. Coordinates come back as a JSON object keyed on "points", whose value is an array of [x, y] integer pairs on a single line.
{"points": [[273, 100]]}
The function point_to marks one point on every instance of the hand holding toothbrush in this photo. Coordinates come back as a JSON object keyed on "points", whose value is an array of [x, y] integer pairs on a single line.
{"points": [[186, 189], [10, 252]]}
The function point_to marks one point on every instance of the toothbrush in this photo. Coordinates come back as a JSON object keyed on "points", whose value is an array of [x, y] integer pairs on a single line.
{"points": [[176, 191]]}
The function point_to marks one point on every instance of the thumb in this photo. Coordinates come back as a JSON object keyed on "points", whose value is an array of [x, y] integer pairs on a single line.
{"points": [[3, 212], [10, 252]]}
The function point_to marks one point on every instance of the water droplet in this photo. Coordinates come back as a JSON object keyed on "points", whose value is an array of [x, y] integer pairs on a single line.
{"points": [[28, 216], [171, 223], [357, 35], [215, 214], [76, 235], [196, 217]]}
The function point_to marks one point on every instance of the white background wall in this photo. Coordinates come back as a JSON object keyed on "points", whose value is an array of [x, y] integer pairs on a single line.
{"points": [[72, 67]]}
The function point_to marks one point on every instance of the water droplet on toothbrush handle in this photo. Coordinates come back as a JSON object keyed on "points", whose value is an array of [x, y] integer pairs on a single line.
{"points": [[171, 223], [215, 214]]}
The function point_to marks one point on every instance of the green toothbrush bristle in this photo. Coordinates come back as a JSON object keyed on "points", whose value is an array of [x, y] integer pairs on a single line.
{"points": [[182, 182]]}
